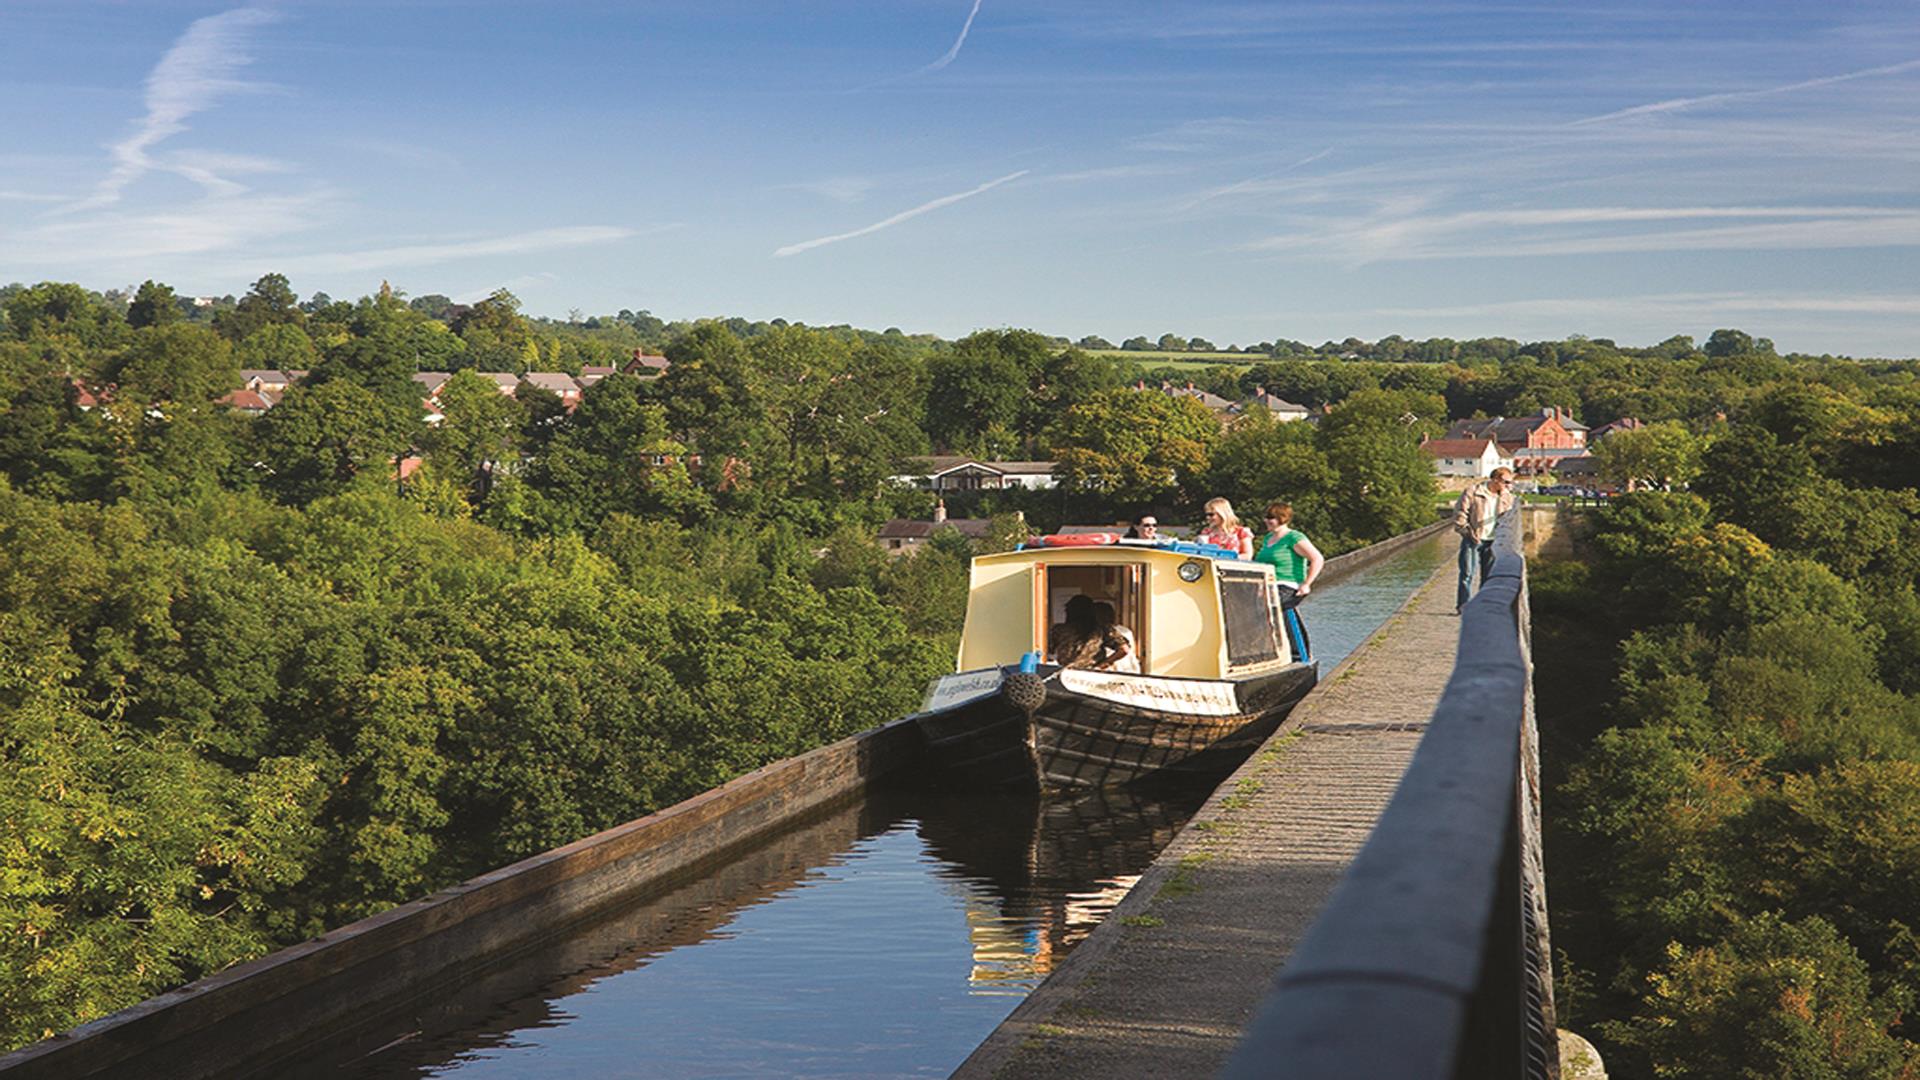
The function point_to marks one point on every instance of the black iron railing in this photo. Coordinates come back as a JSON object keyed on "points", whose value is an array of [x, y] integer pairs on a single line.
{"points": [[1431, 958]]}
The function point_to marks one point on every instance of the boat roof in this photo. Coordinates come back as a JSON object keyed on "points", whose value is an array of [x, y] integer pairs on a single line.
{"points": [[1081, 541]]}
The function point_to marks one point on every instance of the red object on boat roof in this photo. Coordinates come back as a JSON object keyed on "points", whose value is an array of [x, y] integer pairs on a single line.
{"points": [[1078, 539]]}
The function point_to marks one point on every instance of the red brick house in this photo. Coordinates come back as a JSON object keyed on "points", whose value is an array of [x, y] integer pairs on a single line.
{"points": [[1552, 429]]}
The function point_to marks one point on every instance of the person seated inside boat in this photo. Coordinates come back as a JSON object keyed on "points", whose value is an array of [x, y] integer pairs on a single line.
{"points": [[1145, 527], [1117, 651], [1077, 642]]}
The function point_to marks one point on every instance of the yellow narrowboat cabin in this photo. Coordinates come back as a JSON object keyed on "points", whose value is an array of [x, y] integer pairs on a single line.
{"points": [[1202, 663]]}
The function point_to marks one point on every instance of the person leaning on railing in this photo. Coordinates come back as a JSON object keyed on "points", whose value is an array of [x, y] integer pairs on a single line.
{"points": [[1473, 518], [1295, 561]]}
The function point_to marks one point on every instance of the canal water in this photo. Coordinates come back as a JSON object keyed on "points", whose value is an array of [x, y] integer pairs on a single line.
{"points": [[884, 938]]}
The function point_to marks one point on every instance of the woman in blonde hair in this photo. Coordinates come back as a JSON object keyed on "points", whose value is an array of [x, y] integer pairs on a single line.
{"points": [[1224, 529]]}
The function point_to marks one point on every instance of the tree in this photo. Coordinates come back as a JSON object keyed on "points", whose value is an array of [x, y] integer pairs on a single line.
{"points": [[497, 335], [271, 301], [153, 305], [1172, 343], [1012, 381], [1658, 456], [616, 455], [1094, 341], [1774, 998], [1383, 480], [478, 434], [320, 438], [177, 364], [1133, 446], [1260, 460], [279, 347], [1728, 343]]}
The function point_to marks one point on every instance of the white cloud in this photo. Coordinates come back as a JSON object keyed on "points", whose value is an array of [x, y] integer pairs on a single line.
{"points": [[1677, 104], [1399, 232], [961, 40], [425, 254], [210, 224], [945, 200], [1674, 308], [195, 71], [846, 189]]}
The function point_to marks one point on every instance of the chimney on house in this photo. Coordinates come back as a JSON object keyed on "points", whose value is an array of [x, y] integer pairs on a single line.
{"points": [[940, 511]]}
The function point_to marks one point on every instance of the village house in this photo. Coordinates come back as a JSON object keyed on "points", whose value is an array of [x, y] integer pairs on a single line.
{"points": [[1221, 408], [1625, 423], [593, 373], [560, 385], [1471, 458], [251, 402], [1281, 409], [646, 366], [269, 381], [901, 536], [1552, 429], [945, 473]]}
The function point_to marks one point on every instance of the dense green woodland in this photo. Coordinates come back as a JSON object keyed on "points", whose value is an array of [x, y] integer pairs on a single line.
{"points": [[254, 685], [1730, 725]]}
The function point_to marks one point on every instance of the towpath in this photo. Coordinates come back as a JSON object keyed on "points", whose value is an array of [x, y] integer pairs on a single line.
{"points": [[1166, 985]]}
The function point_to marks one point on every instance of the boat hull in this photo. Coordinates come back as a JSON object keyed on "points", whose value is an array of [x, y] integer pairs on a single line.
{"points": [[1102, 729]]}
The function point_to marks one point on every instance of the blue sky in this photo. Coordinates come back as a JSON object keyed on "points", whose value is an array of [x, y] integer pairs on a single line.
{"points": [[1239, 171]]}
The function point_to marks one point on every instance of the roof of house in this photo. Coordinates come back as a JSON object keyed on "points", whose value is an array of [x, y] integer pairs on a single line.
{"points": [[246, 401], [1457, 447], [1625, 423], [1211, 400], [642, 362], [1269, 401], [554, 381], [507, 381], [1511, 429], [905, 529], [248, 375], [941, 464], [432, 380]]}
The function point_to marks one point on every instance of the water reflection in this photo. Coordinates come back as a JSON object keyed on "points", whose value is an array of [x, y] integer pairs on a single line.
{"points": [[886, 938]]}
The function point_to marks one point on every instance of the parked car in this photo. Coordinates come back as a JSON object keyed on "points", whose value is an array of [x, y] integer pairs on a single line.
{"points": [[1560, 489]]}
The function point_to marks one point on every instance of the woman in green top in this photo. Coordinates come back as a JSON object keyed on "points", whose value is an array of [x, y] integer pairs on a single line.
{"points": [[1295, 561]]}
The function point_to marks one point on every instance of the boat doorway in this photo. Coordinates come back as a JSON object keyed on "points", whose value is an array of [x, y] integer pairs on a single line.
{"points": [[1121, 584]]}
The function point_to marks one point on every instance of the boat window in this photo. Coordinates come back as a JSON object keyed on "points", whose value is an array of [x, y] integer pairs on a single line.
{"points": [[1252, 632], [1118, 584]]}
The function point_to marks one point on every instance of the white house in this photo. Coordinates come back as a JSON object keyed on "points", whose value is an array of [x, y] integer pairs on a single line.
{"points": [[1476, 458], [954, 473]]}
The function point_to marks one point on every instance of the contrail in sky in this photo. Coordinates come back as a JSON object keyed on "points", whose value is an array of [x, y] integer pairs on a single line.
{"points": [[961, 40], [196, 70], [1677, 104], [944, 200]]}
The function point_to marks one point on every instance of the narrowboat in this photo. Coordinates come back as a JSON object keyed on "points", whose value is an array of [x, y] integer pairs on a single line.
{"points": [[1219, 667]]}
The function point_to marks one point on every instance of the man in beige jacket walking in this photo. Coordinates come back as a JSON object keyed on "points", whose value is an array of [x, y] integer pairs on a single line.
{"points": [[1473, 519]]}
